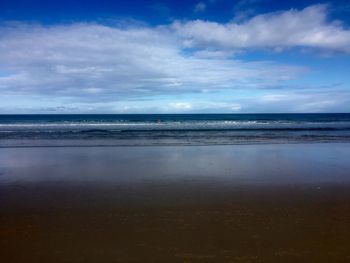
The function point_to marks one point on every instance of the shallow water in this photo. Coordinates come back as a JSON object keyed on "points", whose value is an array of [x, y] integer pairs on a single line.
{"points": [[250, 164]]}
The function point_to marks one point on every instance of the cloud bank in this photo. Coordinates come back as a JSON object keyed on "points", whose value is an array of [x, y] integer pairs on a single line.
{"points": [[93, 61], [307, 28], [90, 63]]}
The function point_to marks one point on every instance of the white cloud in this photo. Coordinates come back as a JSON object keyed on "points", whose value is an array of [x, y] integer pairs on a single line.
{"points": [[307, 28], [273, 97], [301, 101], [101, 63], [220, 107], [181, 105], [97, 68], [201, 106]]}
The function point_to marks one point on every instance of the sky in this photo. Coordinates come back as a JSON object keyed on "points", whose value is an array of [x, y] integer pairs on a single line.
{"points": [[209, 56]]}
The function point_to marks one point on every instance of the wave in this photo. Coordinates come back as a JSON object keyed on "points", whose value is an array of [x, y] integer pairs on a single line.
{"points": [[180, 126], [176, 129]]}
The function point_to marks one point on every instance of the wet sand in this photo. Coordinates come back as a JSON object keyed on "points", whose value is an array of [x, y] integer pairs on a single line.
{"points": [[253, 203]]}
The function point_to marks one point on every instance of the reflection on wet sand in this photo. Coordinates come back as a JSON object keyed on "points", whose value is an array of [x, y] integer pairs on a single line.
{"points": [[267, 203]]}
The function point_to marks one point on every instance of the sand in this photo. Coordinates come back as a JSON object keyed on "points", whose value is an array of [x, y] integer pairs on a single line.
{"points": [[263, 203]]}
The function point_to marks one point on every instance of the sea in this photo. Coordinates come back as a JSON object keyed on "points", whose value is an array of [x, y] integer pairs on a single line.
{"points": [[170, 129]]}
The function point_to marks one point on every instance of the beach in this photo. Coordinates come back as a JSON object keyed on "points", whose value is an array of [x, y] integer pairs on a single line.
{"points": [[164, 131], [233, 203]]}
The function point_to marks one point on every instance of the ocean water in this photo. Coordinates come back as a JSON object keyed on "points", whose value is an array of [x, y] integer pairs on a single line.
{"points": [[171, 129]]}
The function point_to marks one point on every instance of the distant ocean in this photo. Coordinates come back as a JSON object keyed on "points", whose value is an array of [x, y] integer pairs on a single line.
{"points": [[171, 129]]}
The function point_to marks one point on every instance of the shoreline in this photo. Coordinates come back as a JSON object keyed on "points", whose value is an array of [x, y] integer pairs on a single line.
{"points": [[253, 163], [81, 143]]}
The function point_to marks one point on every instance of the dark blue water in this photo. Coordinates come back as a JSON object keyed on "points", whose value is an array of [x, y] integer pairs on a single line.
{"points": [[169, 129]]}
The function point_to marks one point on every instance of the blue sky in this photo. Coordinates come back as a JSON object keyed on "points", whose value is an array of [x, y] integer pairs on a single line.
{"points": [[174, 56]]}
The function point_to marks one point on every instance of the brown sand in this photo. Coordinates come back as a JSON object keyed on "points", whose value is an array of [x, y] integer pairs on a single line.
{"points": [[175, 220], [236, 224]]}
